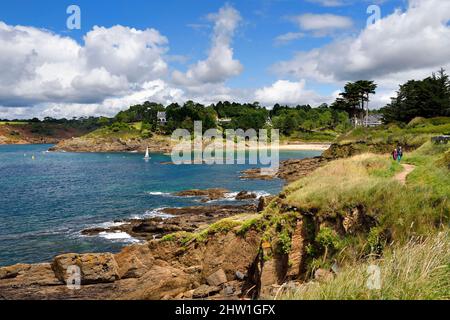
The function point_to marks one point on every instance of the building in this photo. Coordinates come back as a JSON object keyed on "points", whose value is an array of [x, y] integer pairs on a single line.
{"points": [[162, 118], [374, 120]]}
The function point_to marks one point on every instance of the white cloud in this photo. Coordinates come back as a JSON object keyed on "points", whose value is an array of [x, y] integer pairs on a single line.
{"points": [[288, 92], [330, 3], [288, 37], [220, 64], [38, 66], [322, 24], [401, 46], [136, 54]]}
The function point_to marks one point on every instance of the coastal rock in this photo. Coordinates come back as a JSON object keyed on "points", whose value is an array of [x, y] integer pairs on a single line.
{"points": [[134, 261], [13, 271], [290, 170], [95, 268], [188, 219], [217, 278], [112, 144], [207, 195], [205, 291], [296, 254], [161, 281], [245, 195]]}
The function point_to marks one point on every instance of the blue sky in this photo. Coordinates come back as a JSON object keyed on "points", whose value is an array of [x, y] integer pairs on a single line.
{"points": [[258, 59]]}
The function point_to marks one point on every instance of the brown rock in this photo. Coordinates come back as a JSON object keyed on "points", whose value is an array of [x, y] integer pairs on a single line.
{"points": [[13, 271], [134, 261], [217, 278], [296, 253], [160, 281], [205, 291], [245, 195], [95, 268], [207, 195]]}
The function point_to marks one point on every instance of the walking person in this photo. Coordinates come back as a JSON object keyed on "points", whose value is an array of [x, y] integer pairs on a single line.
{"points": [[394, 154], [399, 154]]}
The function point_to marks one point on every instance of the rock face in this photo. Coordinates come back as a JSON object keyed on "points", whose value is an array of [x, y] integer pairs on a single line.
{"points": [[290, 170], [206, 195], [111, 144], [217, 278], [29, 133], [95, 268], [154, 270], [244, 195]]}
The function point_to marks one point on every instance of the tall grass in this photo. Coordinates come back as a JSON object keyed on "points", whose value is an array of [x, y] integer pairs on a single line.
{"points": [[418, 270], [366, 181]]}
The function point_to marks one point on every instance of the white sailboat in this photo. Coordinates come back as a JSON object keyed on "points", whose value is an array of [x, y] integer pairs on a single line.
{"points": [[147, 155]]}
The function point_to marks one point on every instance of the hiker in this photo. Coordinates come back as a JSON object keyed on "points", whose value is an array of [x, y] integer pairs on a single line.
{"points": [[399, 154], [394, 154]]}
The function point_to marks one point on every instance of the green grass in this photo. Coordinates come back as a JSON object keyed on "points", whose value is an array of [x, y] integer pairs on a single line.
{"points": [[417, 270], [13, 123], [416, 133], [327, 136]]}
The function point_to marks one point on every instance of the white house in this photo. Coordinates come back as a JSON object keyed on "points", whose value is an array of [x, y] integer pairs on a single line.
{"points": [[162, 118]]}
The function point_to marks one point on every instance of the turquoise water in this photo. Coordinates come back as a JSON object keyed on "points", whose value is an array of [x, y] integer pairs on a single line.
{"points": [[46, 202]]}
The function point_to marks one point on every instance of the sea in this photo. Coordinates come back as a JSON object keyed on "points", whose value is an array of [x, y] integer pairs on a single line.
{"points": [[48, 198]]}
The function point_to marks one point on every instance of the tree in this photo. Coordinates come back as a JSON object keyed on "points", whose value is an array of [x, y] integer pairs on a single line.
{"points": [[426, 98], [355, 98]]}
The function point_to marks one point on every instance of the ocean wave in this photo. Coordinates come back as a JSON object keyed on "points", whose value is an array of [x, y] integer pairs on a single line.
{"points": [[118, 236], [231, 196], [110, 224], [153, 213], [158, 193]]}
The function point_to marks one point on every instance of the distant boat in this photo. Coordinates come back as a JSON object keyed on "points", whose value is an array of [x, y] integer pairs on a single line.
{"points": [[147, 155]]}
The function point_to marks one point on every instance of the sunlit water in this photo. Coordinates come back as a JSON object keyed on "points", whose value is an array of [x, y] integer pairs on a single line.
{"points": [[46, 202]]}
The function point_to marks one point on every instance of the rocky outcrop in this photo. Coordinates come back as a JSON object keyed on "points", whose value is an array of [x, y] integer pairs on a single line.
{"points": [[187, 219], [245, 195], [206, 195], [94, 268], [37, 133], [154, 270], [112, 144], [290, 170]]}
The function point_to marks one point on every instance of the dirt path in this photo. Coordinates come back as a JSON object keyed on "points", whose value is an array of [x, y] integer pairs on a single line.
{"points": [[401, 177]]}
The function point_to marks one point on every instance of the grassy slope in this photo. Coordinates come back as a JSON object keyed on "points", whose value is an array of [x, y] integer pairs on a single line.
{"points": [[417, 212], [414, 261]]}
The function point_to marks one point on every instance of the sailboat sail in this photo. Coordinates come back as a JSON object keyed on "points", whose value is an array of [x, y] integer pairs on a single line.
{"points": [[147, 155]]}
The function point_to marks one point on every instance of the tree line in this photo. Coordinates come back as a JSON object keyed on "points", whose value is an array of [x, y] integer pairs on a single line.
{"points": [[427, 98]]}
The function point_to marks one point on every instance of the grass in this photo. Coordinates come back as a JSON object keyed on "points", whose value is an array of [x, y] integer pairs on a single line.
{"points": [[416, 133], [366, 181], [327, 136], [418, 270], [14, 123]]}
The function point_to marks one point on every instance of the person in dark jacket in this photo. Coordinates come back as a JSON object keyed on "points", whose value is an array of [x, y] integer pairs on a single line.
{"points": [[394, 154], [399, 154]]}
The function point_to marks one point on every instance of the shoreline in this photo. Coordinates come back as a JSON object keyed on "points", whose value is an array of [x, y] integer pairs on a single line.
{"points": [[282, 147]]}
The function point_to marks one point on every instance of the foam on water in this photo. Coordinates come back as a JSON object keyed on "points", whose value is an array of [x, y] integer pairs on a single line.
{"points": [[121, 236]]}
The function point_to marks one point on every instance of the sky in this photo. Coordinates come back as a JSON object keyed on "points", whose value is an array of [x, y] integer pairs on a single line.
{"points": [[271, 51]]}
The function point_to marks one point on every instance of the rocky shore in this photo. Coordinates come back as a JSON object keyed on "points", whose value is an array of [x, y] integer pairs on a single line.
{"points": [[201, 252], [290, 170], [188, 219], [111, 144]]}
